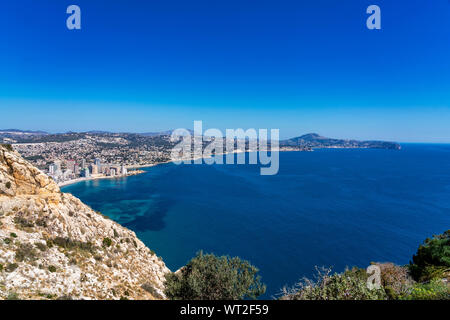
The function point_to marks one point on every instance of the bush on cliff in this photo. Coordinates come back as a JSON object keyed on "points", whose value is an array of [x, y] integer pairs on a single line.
{"points": [[350, 285], [429, 267], [396, 280], [432, 259], [436, 289], [208, 277]]}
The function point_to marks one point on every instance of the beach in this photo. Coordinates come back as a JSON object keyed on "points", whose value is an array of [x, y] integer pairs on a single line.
{"points": [[69, 182]]}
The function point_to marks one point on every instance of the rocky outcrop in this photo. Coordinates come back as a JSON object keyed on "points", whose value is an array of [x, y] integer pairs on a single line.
{"points": [[54, 246]]}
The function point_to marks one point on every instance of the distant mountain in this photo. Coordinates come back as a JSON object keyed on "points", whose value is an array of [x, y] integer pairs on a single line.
{"points": [[15, 135], [305, 142], [314, 140], [161, 133], [21, 132], [97, 132]]}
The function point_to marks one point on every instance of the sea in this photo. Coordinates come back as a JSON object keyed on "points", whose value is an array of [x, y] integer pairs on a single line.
{"points": [[334, 208]]}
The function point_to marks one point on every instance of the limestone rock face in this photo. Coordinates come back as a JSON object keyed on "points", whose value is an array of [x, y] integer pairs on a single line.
{"points": [[18, 177], [54, 246]]}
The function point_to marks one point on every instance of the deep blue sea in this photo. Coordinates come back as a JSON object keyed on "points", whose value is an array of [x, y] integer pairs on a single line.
{"points": [[331, 207]]}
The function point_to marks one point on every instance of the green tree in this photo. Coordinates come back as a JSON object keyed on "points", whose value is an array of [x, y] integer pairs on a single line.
{"points": [[208, 277], [432, 259]]}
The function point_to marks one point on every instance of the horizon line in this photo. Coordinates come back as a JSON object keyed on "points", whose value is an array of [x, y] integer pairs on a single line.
{"points": [[167, 130]]}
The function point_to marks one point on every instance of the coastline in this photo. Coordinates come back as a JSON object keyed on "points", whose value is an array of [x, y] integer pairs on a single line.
{"points": [[139, 166], [73, 181], [187, 159]]}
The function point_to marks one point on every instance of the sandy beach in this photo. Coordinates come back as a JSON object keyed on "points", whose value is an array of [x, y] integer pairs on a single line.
{"points": [[69, 182]]}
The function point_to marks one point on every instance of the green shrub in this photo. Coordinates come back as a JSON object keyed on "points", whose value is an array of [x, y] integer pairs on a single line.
{"points": [[7, 240], [22, 222], [26, 252], [433, 290], [432, 259], [47, 295], [52, 268], [13, 235], [208, 277], [107, 242], [1, 267], [98, 257], [13, 296], [41, 246], [350, 285], [70, 244], [41, 223], [10, 267], [8, 185]]}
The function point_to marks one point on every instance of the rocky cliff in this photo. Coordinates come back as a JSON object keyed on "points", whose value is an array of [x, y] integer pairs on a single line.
{"points": [[54, 246]]}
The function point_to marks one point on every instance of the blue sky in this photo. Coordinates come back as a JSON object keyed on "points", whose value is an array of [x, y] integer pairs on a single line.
{"points": [[300, 66]]}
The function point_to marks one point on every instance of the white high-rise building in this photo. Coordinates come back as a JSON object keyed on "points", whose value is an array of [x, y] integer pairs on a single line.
{"points": [[52, 169]]}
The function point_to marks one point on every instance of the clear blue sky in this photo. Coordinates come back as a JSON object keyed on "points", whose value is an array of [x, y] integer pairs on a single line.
{"points": [[300, 66]]}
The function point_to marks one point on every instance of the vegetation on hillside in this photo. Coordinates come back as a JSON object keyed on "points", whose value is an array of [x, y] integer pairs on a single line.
{"points": [[208, 277], [432, 259], [350, 285], [425, 278]]}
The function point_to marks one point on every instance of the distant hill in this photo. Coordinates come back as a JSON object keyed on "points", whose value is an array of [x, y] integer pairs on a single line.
{"points": [[305, 142], [21, 132], [14, 135], [314, 140], [161, 133]]}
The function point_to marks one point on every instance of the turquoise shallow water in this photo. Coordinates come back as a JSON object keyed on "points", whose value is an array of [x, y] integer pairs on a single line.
{"points": [[325, 208]]}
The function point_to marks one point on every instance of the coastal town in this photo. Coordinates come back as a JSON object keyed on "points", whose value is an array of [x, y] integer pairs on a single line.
{"points": [[65, 172], [72, 157]]}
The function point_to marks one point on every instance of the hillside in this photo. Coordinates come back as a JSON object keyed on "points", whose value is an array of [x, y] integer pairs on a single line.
{"points": [[314, 140], [54, 246]]}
